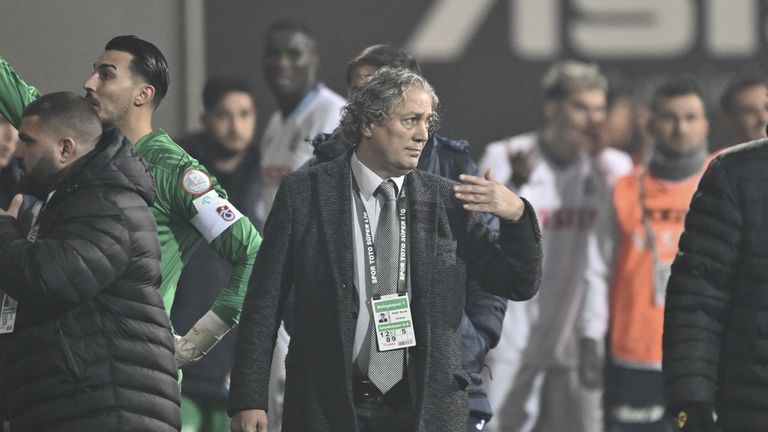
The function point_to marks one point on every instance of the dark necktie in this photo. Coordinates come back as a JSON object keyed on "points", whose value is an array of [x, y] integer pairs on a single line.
{"points": [[385, 368]]}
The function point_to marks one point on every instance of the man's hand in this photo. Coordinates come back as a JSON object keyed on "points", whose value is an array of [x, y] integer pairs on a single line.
{"points": [[13, 209], [590, 363], [487, 195], [249, 421], [522, 165], [203, 336]]}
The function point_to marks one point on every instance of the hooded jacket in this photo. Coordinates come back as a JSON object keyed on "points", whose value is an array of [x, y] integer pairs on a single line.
{"points": [[92, 348]]}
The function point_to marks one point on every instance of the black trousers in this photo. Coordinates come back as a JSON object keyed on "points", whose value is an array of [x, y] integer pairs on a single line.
{"points": [[376, 412], [634, 400]]}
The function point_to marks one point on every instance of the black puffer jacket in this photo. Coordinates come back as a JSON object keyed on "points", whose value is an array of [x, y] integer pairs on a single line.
{"points": [[92, 349], [716, 317]]}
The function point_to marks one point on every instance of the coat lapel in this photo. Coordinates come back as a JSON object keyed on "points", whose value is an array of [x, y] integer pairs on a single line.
{"points": [[335, 203], [422, 228]]}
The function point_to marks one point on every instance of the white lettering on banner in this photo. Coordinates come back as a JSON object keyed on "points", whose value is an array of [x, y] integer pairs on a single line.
{"points": [[732, 27], [633, 28], [605, 29], [534, 29], [447, 28]]}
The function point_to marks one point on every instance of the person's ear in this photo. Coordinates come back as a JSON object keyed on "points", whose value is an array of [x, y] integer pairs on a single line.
{"points": [[67, 150], [144, 96], [367, 131]]}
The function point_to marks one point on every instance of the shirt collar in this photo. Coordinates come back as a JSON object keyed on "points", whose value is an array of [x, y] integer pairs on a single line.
{"points": [[304, 105], [368, 181]]}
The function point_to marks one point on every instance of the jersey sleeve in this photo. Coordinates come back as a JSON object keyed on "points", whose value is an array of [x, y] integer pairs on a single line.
{"points": [[198, 197], [15, 94], [602, 243]]}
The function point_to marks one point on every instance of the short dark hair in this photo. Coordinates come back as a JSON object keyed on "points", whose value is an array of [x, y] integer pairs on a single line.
{"points": [[382, 55], [290, 26], [675, 87], [217, 88], [66, 111], [148, 62], [735, 87]]}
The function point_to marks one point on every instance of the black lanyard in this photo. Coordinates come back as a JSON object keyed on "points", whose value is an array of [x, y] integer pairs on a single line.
{"points": [[370, 249]]}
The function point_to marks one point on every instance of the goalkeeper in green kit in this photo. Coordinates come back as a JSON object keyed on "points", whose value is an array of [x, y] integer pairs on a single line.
{"points": [[129, 80]]}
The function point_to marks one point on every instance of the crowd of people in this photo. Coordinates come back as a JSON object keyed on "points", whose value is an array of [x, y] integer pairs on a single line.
{"points": [[603, 272]]}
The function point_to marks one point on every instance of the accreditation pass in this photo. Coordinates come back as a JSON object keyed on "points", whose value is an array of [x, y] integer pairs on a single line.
{"points": [[394, 326], [8, 306]]}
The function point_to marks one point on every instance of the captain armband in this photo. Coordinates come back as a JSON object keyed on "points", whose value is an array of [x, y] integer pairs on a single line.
{"points": [[214, 215]]}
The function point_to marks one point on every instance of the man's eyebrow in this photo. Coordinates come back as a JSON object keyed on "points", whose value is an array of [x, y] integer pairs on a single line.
{"points": [[103, 66], [26, 138]]}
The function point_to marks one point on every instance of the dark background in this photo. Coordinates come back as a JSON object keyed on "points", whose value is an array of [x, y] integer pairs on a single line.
{"points": [[491, 90]]}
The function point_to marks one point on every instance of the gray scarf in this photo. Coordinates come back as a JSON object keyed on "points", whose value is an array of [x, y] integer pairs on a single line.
{"points": [[677, 167]]}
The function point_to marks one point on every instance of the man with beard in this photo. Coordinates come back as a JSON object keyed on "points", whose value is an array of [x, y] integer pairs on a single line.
{"points": [[225, 146], [129, 80], [84, 341], [714, 336], [638, 234], [10, 174], [547, 367]]}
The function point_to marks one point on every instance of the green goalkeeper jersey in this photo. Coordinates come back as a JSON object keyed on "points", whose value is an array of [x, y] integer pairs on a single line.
{"points": [[189, 206]]}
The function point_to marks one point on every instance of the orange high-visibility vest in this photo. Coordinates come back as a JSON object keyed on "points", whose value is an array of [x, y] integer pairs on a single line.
{"points": [[637, 318]]}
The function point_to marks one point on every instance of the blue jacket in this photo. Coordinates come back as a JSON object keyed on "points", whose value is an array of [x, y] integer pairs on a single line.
{"points": [[483, 313]]}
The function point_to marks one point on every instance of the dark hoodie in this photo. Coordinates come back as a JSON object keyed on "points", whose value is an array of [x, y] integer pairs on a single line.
{"points": [[92, 348]]}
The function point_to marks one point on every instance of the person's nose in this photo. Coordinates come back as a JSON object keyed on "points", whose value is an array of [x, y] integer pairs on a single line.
{"points": [[19, 152], [596, 117], [90, 83], [682, 127], [422, 132]]}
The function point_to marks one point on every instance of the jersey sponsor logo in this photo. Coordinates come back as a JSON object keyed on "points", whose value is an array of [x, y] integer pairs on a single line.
{"points": [[676, 215], [575, 219], [195, 182], [214, 215], [226, 213]]}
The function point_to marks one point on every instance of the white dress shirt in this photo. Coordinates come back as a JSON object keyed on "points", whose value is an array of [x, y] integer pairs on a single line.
{"points": [[367, 182]]}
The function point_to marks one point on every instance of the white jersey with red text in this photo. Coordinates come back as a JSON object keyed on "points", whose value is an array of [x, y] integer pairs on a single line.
{"points": [[543, 334], [285, 146]]}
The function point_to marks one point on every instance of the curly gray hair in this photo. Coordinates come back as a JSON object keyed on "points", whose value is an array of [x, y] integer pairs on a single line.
{"points": [[374, 101]]}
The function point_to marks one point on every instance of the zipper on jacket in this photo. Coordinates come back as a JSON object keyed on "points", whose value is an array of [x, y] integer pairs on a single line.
{"points": [[67, 351]]}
